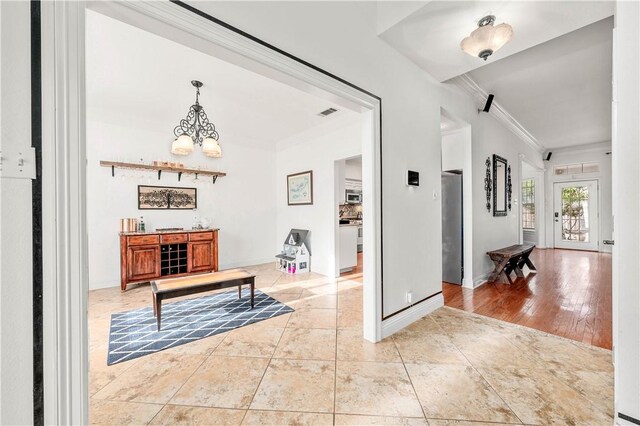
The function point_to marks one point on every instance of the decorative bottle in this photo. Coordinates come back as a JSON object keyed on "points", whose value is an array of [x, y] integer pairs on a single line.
{"points": [[141, 225]]}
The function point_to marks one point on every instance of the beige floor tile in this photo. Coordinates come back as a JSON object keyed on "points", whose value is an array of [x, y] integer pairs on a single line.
{"points": [[295, 385], [596, 386], [153, 378], [354, 420], [312, 343], [424, 341], [309, 300], [493, 350], [258, 341], [313, 318], [372, 387], [556, 352], [184, 415], [457, 392], [101, 374], [375, 388], [261, 418], [349, 318], [224, 382], [538, 397], [353, 347], [102, 412]]}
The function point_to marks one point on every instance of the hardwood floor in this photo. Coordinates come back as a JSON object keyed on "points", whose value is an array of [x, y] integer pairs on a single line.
{"points": [[569, 296]]}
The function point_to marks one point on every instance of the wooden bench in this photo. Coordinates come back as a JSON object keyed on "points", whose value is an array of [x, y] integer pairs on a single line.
{"points": [[511, 259], [183, 286]]}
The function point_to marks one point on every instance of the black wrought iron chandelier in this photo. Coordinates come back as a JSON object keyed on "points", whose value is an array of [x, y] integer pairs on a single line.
{"points": [[196, 129]]}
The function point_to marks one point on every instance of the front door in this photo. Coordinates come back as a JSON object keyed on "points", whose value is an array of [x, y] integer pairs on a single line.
{"points": [[575, 215]]}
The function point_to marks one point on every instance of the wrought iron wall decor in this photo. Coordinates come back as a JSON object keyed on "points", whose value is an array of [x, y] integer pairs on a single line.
{"points": [[196, 129], [509, 188], [163, 198], [499, 186], [488, 183]]}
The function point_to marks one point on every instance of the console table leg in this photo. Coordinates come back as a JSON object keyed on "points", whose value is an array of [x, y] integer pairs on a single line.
{"points": [[253, 288]]}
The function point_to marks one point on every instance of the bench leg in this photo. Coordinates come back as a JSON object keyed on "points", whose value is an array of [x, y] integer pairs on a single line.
{"points": [[253, 289], [153, 303], [158, 309], [240, 291]]}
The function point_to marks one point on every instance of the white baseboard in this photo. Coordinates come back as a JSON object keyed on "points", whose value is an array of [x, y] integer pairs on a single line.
{"points": [[481, 280], [405, 318], [246, 263], [467, 283]]}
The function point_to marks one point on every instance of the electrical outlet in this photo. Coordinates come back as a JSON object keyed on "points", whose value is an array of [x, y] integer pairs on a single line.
{"points": [[409, 297]]}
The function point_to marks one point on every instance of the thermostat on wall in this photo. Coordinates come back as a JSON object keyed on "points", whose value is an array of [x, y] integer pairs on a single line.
{"points": [[413, 178]]}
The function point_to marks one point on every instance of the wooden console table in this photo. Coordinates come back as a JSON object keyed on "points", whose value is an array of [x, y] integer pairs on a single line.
{"points": [[147, 256], [511, 259]]}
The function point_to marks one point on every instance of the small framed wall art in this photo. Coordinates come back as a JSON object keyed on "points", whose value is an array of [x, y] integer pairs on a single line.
{"points": [[166, 198], [300, 188]]}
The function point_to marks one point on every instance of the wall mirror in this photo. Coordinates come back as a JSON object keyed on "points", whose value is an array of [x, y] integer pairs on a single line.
{"points": [[499, 186]]}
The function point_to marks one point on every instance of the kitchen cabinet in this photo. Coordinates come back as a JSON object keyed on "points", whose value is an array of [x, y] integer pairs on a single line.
{"points": [[348, 247], [146, 256]]}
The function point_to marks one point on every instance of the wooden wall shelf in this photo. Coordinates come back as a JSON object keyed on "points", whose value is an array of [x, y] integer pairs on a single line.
{"points": [[179, 170]]}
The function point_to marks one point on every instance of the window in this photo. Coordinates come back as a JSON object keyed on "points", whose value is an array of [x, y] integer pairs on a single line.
{"points": [[576, 169], [528, 204]]}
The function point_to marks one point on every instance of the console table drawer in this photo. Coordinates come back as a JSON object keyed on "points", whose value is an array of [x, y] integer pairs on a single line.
{"points": [[201, 236], [173, 238], [140, 240]]}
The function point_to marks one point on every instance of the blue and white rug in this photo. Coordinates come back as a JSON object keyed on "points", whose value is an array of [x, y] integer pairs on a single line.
{"points": [[134, 333]]}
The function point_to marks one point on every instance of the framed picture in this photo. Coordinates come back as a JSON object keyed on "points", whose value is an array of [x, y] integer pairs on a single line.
{"points": [[300, 188], [166, 198]]}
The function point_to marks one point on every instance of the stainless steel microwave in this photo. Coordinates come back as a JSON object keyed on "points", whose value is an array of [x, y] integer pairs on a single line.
{"points": [[353, 197]]}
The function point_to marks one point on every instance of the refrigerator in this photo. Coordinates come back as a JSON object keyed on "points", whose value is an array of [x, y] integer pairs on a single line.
{"points": [[452, 230]]}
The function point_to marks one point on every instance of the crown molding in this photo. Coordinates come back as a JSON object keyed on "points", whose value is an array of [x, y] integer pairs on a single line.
{"points": [[469, 85]]}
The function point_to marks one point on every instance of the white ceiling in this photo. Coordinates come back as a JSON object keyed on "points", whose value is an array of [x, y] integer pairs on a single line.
{"points": [[133, 72], [560, 91], [431, 35]]}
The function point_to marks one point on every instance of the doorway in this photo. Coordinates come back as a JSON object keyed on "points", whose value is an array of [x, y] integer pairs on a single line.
{"points": [[71, 331], [349, 240], [452, 227], [575, 215]]}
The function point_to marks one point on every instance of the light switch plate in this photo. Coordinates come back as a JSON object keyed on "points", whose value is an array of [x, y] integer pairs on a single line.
{"points": [[18, 163]]}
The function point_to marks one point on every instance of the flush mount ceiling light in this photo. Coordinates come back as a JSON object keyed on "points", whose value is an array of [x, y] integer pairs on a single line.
{"points": [[487, 39], [196, 129]]}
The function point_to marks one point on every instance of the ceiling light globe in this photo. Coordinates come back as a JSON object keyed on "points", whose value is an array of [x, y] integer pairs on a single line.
{"points": [[486, 39], [183, 145], [211, 148]]}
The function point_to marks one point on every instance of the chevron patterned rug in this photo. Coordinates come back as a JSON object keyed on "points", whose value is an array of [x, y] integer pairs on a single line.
{"points": [[133, 334]]}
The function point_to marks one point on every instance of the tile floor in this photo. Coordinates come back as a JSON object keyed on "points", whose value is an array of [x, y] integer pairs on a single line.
{"points": [[313, 367]]}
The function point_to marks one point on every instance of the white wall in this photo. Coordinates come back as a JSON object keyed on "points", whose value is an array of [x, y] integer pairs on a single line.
{"points": [[16, 339], [411, 132], [316, 151], [353, 169], [241, 204], [489, 232], [410, 121], [626, 179], [453, 149], [574, 156], [489, 137]]}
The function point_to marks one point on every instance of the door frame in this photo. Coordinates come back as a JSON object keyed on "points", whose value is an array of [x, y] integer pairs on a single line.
{"points": [[65, 329], [597, 220]]}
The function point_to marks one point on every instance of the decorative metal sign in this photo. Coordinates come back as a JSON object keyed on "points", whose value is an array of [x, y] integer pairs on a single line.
{"points": [[488, 183]]}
